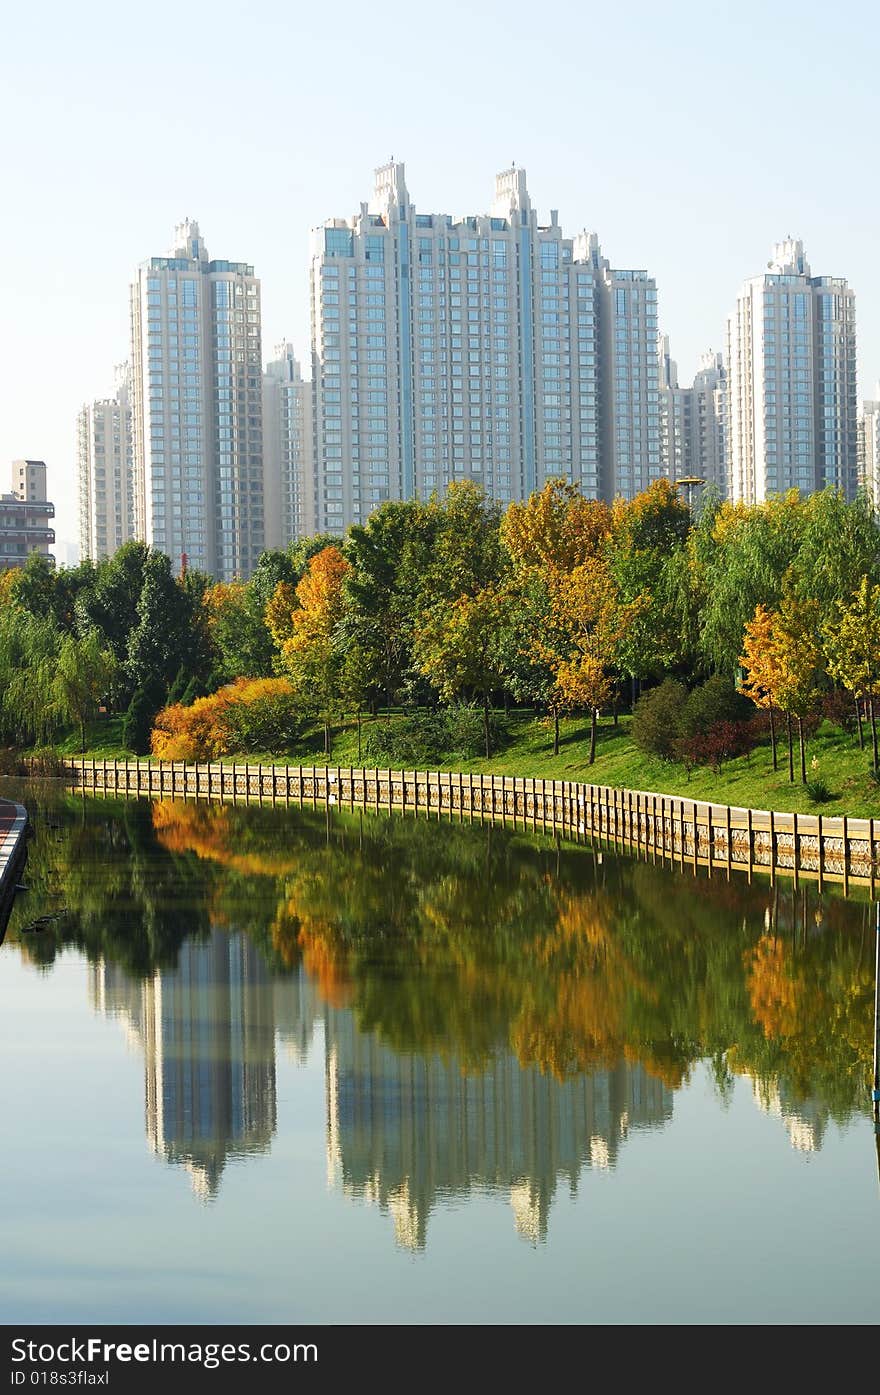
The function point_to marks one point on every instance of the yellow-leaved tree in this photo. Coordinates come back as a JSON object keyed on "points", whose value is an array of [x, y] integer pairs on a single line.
{"points": [[800, 658], [763, 674], [594, 622]]}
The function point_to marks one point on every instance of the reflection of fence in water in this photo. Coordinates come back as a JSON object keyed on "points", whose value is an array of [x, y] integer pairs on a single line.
{"points": [[660, 827]]}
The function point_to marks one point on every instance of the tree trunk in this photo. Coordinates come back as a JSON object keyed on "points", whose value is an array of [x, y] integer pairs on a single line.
{"points": [[859, 720], [594, 713], [486, 724], [615, 701], [326, 738], [556, 731], [359, 732], [82, 735], [800, 722], [773, 738], [872, 716], [790, 748]]}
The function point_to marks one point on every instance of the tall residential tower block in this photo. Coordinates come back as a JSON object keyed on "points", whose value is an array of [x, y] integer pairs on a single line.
{"points": [[105, 472], [487, 347], [196, 401], [792, 400]]}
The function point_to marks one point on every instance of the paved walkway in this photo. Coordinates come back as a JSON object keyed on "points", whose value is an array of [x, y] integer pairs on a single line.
{"points": [[13, 822]]}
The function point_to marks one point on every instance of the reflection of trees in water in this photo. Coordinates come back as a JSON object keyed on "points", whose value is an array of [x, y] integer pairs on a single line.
{"points": [[456, 939], [461, 940]]}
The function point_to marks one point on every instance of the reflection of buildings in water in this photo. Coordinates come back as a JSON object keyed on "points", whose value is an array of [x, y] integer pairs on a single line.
{"points": [[406, 1130], [297, 1007], [805, 1120], [207, 1031]]}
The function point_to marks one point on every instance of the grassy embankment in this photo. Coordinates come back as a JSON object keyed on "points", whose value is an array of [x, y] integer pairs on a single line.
{"points": [[527, 749]]}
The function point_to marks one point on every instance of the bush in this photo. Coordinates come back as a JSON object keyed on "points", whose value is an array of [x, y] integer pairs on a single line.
{"points": [[707, 726], [723, 741], [268, 719], [818, 791], [713, 702], [251, 714], [656, 725], [445, 734], [840, 709]]}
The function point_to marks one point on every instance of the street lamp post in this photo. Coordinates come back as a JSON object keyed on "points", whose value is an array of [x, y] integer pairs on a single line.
{"points": [[689, 481]]}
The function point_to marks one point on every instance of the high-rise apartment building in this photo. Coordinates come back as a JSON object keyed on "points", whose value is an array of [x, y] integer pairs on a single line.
{"points": [[708, 422], [104, 462], [791, 357], [869, 447], [197, 416], [288, 472], [25, 514], [488, 348], [676, 405]]}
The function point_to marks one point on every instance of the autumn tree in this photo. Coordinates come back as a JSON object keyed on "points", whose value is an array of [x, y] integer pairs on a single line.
{"points": [[852, 648], [763, 673], [556, 527], [799, 657], [588, 611], [311, 656]]}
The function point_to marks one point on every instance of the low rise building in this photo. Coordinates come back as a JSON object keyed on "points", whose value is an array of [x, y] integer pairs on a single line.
{"points": [[25, 515]]}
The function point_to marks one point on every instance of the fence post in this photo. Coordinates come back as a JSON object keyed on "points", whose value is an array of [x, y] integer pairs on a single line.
{"points": [[751, 838], [729, 842], [795, 848], [772, 848], [845, 855], [821, 860]]}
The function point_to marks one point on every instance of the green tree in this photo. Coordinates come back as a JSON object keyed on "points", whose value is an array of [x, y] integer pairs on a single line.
{"points": [[162, 636], [29, 647], [388, 556], [460, 646], [83, 673], [743, 556], [852, 648], [648, 561]]}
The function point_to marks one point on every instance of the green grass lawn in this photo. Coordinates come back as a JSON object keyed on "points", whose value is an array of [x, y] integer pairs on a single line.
{"points": [[528, 750]]}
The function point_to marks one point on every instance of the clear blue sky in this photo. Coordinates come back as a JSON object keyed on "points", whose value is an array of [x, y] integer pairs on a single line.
{"points": [[689, 136]]}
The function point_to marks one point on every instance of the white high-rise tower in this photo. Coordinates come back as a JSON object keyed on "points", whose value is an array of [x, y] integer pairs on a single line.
{"points": [[484, 347], [791, 357], [104, 461], [288, 470], [197, 412]]}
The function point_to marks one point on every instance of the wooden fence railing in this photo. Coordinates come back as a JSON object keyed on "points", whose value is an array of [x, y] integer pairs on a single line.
{"points": [[658, 826]]}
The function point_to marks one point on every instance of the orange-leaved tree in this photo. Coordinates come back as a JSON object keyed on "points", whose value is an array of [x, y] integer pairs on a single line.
{"points": [[310, 653]]}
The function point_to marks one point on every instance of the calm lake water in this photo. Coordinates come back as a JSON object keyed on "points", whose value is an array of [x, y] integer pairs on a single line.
{"points": [[266, 1065]]}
